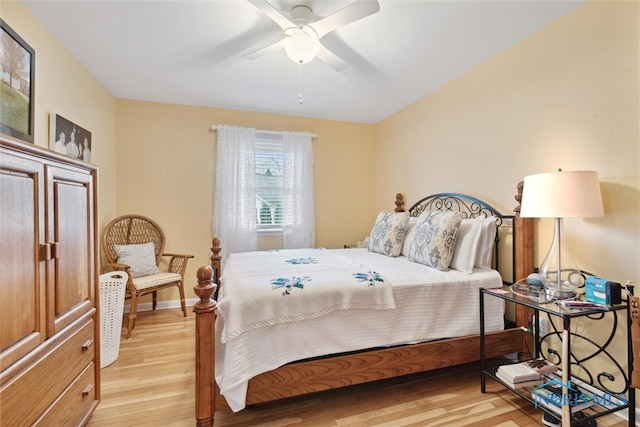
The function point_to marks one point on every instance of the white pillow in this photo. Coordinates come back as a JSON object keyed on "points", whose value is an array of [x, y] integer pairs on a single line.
{"points": [[140, 257], [408, 237], [435, 239], [388, 233], [486, 242], [464, 255]]}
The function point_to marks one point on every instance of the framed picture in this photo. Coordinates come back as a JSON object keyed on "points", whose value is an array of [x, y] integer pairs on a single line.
{"points": [[69, 139], [17, 77]]}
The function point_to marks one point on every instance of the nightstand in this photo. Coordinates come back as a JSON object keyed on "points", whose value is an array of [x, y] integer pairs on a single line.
{"points": [[558, 340]]}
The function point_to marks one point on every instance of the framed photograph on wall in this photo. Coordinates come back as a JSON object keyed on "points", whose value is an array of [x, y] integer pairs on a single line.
{"points": [[69, 139], [17, 77]]}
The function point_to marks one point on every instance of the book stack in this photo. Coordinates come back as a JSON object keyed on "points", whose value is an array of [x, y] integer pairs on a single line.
{"points": [[525, 374], [551, 396]]}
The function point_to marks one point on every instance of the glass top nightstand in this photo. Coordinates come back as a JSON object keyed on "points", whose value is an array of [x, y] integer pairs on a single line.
{"points": [[565, 356]]}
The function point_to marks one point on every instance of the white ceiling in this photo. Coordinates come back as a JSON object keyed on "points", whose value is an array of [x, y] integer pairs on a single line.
{"points": [[189, 52]]}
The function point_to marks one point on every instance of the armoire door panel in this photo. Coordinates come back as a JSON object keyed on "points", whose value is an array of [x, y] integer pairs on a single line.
{"points": [[22, 274], [71, 233]]}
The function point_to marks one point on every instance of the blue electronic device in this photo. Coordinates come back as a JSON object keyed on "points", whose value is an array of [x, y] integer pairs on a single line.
{"points": [[602, 291]]}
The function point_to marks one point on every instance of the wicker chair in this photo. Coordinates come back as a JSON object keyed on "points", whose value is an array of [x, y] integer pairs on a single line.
{"points": [[135, 244]]}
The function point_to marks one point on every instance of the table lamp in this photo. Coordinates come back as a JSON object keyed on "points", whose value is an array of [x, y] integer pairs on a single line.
{"points": [[558, 195]]}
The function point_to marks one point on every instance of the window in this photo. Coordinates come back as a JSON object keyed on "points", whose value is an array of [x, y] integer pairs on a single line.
{"points": [[269, 183], [264, 184]]}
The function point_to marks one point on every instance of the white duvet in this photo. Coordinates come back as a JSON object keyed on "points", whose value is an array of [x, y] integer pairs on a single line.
{"points": [[429, 305]]}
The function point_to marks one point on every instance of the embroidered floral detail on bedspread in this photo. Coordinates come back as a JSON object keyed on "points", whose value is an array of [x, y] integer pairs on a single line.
{"points": [[307, 260], [288, 283], [369, 276], [316, 283]]}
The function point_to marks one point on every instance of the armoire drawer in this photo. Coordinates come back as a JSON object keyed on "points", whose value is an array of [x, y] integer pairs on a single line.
{"points": [[30, 393], [75, 401]]}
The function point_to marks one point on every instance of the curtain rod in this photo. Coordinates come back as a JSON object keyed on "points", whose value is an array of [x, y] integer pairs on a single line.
{"points": [[214, 128]]}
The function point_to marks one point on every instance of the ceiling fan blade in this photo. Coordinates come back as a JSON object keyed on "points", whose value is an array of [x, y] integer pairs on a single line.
{"points": [[348, 14], [265, 50], [273, 13], [330, 58]]}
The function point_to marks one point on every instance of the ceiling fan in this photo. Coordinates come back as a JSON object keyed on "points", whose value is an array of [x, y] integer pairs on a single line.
{"points": [[302, 34]]}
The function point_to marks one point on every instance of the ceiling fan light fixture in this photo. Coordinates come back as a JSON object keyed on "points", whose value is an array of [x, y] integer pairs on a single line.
{"points": [[301, 44]]}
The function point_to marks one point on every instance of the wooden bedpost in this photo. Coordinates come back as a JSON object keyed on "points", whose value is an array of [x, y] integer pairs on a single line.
{"points": [[216, 258], [205, 310], [523, 267]]}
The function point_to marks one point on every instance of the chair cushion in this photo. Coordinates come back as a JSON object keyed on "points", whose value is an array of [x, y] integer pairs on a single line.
{"points": [[140, 257], [155, 280]]}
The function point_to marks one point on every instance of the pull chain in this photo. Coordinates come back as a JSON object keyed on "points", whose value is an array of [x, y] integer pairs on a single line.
{"points": [[300, 84]]}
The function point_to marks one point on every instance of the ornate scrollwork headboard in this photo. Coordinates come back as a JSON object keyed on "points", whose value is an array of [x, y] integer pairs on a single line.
{"points": [[470, 207]]}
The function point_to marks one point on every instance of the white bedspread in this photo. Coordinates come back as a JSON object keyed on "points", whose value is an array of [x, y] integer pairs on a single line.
{"points": [[430, 304], [273, 287]]}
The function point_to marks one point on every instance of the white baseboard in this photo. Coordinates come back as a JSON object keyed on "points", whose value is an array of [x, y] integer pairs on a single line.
{"points": [[624, 414], [148, 306]]}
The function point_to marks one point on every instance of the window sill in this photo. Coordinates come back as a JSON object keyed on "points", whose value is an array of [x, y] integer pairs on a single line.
{"points": [[270, 232]]}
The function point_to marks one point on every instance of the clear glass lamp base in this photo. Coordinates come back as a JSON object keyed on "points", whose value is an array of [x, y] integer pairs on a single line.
{"points": [[559, 273], [565, 292]]}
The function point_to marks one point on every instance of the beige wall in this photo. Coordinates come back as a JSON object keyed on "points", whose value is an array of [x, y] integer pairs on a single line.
{"points": [[64, 86], [166, 170], [565, 97]]}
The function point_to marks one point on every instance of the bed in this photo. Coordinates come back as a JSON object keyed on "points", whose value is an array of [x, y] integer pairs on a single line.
{"points": [[405, 330]]}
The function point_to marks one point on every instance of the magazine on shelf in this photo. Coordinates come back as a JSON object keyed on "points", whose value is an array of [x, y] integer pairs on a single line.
{"points": [[552, 396], [542, 366], [585, 305]]}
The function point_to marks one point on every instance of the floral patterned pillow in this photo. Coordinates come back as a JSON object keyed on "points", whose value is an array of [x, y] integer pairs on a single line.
{"points": [[388, 233], [435, 239]]}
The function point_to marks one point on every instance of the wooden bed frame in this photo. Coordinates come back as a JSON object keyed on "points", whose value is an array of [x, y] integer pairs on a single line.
{"points": [[318, 374]]}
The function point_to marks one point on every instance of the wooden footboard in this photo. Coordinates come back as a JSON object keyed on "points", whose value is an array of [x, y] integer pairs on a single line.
{"points": [[347, 369], [327, 373]]}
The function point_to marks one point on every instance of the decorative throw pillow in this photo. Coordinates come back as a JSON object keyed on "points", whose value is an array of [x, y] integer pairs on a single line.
{"points": [[408, 237], [486, 242], [464, 255], [140, 257], [435, 239], [388, 233]]}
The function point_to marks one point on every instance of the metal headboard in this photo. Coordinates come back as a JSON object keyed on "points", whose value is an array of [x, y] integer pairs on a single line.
{"points": [[469, 207]]}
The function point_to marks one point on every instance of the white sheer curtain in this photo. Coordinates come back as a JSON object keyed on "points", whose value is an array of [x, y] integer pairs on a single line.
{"points": [[298, 208], [234, 208]]}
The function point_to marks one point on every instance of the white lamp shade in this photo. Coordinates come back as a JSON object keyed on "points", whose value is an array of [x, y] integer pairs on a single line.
{"points": [[301, 44], [562, 195]]}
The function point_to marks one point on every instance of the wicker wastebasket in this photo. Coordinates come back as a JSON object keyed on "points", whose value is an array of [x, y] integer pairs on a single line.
{"points": [[112, 290]]}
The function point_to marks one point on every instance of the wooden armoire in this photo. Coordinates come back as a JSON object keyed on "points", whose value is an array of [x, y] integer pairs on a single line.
{"points": [[49, 328]]}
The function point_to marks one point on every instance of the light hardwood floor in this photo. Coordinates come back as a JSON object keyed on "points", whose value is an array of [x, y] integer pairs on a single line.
{"points": [[152, 384]]}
